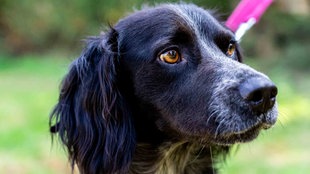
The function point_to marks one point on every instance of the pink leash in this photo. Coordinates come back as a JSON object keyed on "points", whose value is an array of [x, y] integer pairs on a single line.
{"points": [[246, 14]]}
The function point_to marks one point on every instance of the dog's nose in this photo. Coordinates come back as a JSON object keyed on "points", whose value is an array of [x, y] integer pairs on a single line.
{"points": [[260, 92]]}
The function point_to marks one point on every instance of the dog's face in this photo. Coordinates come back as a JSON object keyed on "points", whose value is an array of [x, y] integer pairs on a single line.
{"points": [[186, 64], [163, 75]]}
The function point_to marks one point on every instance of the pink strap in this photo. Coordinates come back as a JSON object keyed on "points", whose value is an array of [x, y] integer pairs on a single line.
{"points": [[246, 10]]}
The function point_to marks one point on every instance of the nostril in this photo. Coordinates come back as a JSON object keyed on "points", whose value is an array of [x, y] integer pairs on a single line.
{"points": [[255, 96], [274, 92], [260, 93], [273, 95]]}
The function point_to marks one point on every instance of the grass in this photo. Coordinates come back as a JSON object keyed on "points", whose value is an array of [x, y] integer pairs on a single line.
{"points": [[29, 89], [28, 92]]}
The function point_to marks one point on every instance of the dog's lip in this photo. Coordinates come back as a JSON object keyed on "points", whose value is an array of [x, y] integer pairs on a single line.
{"points": [[263, 123], [259, 126], [243, 136]]}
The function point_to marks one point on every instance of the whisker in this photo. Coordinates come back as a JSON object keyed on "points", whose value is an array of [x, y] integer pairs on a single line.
{"points": [[218, 127], [214, 113], [212, 162]]}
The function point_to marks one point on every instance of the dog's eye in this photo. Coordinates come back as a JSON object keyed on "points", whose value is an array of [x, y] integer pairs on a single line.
{"points": [[231, 49], [171, 56]]}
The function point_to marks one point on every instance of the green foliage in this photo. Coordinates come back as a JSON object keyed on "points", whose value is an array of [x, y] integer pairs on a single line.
{"points": [[282, 38], [32, 25]]}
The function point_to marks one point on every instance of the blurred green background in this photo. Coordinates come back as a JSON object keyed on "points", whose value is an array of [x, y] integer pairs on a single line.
{"points": [[38, 40]]}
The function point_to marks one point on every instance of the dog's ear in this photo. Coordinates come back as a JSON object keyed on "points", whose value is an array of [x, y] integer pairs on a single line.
{"points": [[92, 117]]}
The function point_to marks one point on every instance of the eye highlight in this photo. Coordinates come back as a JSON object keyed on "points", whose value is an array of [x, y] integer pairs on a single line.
{"points": [[231, 49], [171, 57]]}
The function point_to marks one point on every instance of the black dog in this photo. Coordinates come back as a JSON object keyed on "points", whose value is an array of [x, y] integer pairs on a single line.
{"points": [[162, 92]]}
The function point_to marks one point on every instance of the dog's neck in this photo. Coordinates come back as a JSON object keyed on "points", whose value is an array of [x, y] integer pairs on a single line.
{"points": [[172, 158], [162, 152]]}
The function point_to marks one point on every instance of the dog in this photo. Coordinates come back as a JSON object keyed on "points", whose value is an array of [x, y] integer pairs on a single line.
{"points": [[162, 91]]}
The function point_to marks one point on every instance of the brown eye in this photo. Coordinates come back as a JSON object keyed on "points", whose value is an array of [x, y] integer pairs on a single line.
{"points": [[231, 49], [170, 56]]}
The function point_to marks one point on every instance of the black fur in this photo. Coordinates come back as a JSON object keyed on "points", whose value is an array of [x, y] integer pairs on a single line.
{"points": [[123, 110]]}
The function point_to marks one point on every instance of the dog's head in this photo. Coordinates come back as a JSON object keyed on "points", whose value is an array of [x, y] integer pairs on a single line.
{"points": [[186, 64], [173, 69]]}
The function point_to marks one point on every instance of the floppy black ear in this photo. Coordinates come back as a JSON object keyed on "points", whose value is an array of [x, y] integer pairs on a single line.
{"points": [[92, 117]]}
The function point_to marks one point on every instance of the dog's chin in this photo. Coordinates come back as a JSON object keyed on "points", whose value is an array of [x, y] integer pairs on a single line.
{"points": [[241, 136]]}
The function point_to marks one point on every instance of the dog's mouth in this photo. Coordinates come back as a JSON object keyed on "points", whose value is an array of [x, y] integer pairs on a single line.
{"points": [[242, 125], [241, 136]]}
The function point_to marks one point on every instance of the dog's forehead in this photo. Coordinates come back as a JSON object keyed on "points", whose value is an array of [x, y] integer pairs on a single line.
{"points": [[170, 17], [197, 18]]}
